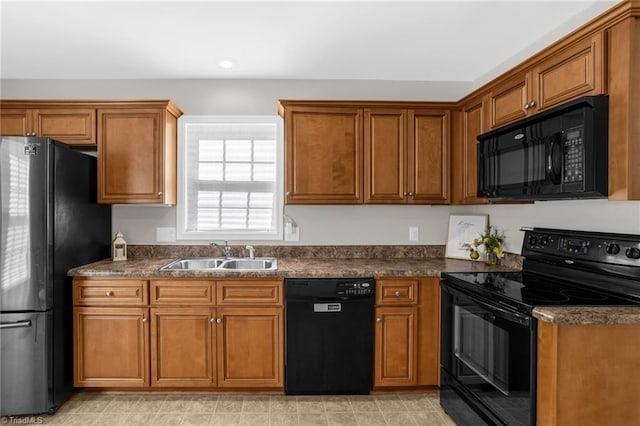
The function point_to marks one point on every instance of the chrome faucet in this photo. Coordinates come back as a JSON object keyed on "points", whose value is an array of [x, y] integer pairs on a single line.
{"points": [[226, 250], [251, 251]]}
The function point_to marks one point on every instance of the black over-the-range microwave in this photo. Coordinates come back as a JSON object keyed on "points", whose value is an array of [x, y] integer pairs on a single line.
{"points": [[561, 153]]}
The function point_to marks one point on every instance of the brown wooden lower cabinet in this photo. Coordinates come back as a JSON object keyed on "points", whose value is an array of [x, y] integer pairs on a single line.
{"points": [[183, 340], [250, 347], [407, 334], [396, 346], [586, 370], [111, 347], [182, 347]]}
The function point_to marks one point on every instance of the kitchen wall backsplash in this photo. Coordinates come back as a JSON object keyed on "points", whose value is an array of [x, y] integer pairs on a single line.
{"points": [[139, 252]]}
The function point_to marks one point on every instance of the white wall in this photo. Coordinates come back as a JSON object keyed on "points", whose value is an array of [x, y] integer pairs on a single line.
{"points": [[325, 224]]}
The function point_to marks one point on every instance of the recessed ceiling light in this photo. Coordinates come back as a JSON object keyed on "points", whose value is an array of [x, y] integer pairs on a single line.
{"points": [[225, 63]]}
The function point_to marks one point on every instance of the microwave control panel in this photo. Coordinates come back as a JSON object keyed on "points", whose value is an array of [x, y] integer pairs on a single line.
{"points": [[573, 151]]}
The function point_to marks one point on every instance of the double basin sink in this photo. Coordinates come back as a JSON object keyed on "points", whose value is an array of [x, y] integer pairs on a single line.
{"points": [[222, 264]]}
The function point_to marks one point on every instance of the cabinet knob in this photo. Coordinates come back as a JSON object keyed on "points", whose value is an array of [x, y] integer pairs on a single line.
{"points": [[108, 293], [159, 193], [219, 320], [532, 104], [378, 319], [212, 320], [526, 106], [288, 193], [410, 194], [144, 320], [397, 293]]}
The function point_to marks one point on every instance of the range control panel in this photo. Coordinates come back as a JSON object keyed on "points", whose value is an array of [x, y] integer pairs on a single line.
{"points": [[608, 248], [354, 288]]}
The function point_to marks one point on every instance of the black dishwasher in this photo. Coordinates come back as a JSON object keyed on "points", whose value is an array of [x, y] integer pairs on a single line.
{"points": [[329, 336]]}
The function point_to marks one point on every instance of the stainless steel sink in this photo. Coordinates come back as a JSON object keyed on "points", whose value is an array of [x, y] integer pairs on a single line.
{"points": [[263, 263], [222, 263]]}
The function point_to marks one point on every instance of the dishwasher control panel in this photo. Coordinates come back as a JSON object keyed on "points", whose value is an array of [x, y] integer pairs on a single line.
{"points": [[354, 288]]}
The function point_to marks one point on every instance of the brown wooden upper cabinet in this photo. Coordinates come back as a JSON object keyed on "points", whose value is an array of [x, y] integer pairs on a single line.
{"points": [[574, 71], [406, 156], [73, 126], [340, 152], [323, 155], [137, 153], [472, 122]]}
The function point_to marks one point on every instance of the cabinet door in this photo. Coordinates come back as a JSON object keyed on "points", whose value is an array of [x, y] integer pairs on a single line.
{"points": [[385, 156], [70, 125], [182, 347], [15, 122], [576, 71], [323, 155], [130, 155], [428, 159], [396, 346], [473, 123], [111, 347], [507, 101], [250, 347]]}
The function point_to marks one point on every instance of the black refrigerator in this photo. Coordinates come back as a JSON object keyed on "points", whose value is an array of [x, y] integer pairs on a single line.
{"points": [[51, 222]]}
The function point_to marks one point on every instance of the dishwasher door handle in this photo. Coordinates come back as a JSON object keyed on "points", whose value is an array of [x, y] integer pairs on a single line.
{"points": [[333, 307]]}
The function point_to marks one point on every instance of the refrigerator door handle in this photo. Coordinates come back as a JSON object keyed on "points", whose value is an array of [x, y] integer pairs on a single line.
{"points": [[17, 324]]}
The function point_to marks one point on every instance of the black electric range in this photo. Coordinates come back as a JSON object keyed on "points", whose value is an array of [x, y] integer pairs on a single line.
{"points": [[489, 334]]}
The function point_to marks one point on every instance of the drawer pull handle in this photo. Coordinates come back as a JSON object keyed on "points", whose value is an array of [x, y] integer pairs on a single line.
{"points": [[397, 293], [108, 293]]}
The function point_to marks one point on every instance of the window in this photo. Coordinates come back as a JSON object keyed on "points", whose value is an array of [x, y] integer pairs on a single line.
{"points": [[230, 178]]}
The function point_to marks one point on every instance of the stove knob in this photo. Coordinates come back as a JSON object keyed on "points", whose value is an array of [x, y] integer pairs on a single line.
{"points": [[613, 249], [633, 253], [533, 241], [544, 241]]}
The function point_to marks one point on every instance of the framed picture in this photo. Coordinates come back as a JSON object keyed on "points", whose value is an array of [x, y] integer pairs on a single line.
{"points": [[463, 228]]}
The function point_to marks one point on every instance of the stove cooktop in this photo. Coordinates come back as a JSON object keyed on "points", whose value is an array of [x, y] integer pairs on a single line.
{"points": [[529, 290]]}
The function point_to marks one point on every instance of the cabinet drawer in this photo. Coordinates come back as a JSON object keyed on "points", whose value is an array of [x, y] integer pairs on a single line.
{"points": [[396, 292], [249, 292], [182, 292], [110, 292]]}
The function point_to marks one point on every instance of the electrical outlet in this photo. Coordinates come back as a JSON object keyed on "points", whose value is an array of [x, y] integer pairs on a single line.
{"points": [[291, 232], [414, 233], [165, 235]]}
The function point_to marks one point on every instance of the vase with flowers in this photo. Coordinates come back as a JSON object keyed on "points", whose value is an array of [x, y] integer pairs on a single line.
{"points": [[491, 240]]}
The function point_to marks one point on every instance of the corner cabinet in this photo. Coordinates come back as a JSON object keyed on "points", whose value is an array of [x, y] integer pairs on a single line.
{"points": [[137, 153], [377, 152], [571, 72]]}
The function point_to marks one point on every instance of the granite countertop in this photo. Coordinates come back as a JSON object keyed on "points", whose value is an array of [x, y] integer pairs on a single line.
{"points": [[586, 315], [294, 268]]}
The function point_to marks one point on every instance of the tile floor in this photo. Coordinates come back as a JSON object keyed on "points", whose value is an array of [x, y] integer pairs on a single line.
{"points": [[252, 410]]}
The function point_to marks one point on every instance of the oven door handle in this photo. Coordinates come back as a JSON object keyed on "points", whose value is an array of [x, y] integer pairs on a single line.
{"points": [[492, 308]]}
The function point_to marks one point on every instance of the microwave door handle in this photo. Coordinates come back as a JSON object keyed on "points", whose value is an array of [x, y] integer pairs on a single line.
{"points": [[552, 156]]}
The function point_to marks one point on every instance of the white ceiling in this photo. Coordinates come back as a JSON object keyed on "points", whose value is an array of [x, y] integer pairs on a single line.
{"points": [[364, 40]]}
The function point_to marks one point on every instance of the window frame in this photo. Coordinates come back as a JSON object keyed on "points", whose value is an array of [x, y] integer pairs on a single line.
{"points": [[182, 206]]}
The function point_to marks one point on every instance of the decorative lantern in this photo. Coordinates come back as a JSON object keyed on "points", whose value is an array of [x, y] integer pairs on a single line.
{"points": [[119, 247]]}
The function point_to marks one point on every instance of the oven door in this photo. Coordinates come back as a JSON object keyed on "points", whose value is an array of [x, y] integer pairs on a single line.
{"points": [[488, 359]]}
